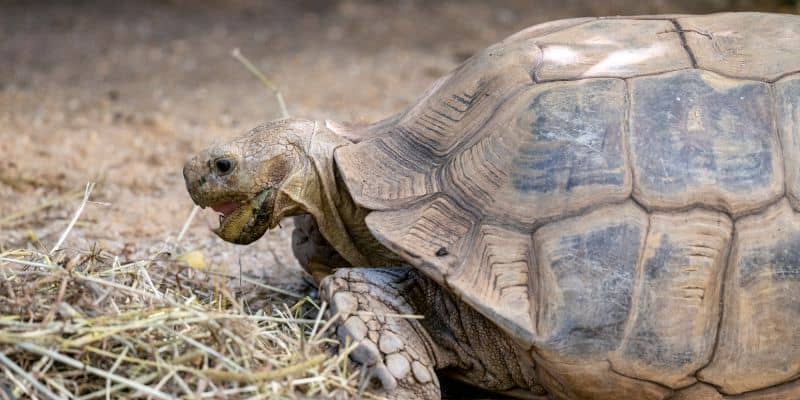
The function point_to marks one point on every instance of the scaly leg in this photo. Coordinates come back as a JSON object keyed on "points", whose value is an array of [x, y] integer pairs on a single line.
{"points": [[403, 353]]}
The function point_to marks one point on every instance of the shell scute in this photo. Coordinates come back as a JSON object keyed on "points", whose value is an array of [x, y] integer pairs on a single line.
{"points": [[759, 338], [755, 46], [672, 330], [611, 48], [698, 138]]}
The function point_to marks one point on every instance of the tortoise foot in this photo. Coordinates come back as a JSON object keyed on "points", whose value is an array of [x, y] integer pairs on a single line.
{"points": [[374, 317]]}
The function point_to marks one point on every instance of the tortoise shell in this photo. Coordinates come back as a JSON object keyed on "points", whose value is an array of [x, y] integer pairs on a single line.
{"points": [[619, 194]]}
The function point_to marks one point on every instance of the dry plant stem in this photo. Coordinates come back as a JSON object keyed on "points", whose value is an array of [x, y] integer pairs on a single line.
{"points": [[178, 360], [114, 368], [61, 389], [119, 386], [165, 379], [259, 284], [186, 224], [390, 315], [62, 289], [92, 370], [86, 194], [254, 377], [184, 387], [149, 282], [328, 324], [319, 318], [15, 382], [207, 350], [230, 298], [33, 381], [9, 289], [268, 83]]}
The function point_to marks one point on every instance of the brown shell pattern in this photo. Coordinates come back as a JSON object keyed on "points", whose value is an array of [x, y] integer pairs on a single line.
{"points": [[621, 194]]}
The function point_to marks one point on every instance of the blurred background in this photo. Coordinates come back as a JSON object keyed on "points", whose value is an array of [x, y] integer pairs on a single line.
{"points": [[121, 93]]}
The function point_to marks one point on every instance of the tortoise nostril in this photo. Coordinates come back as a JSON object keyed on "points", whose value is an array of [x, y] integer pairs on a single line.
{"points": [[223, 165]]}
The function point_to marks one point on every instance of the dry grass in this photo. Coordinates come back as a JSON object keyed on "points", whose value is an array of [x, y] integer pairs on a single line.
{"points": [[85, 324]]}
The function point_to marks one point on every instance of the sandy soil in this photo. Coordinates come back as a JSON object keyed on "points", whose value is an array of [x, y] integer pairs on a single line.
{"points": [[121, 95]]}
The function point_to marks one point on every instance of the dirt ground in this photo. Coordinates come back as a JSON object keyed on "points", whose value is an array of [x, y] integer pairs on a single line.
{"points": [[122, 94]]}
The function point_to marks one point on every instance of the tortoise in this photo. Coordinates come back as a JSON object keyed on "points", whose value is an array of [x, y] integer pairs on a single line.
{"points": [[592, 208]]}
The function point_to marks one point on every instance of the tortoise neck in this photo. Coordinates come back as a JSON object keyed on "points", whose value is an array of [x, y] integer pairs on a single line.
{"points": [[314, 190], [354, 221], [323, 193]]}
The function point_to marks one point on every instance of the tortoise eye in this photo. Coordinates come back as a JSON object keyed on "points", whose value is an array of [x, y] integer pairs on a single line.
{"points": [[223, 165]]}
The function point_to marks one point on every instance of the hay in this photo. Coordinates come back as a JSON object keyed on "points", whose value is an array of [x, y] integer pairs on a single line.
{"points": [[82, 324]]}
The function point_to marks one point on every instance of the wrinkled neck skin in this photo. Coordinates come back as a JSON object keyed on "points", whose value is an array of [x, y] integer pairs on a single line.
{"points": [[318, 190]]}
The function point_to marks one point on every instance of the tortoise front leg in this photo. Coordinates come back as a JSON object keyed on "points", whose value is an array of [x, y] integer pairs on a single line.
{"points": [[402, 353], [373, 312], [314, 253]]}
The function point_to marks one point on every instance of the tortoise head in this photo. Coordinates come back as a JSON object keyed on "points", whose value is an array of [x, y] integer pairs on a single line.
{"points": [[253, 180]]}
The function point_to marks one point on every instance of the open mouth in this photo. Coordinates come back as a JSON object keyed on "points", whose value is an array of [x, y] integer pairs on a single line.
{"points": [[225, 209], [243, 221]]}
